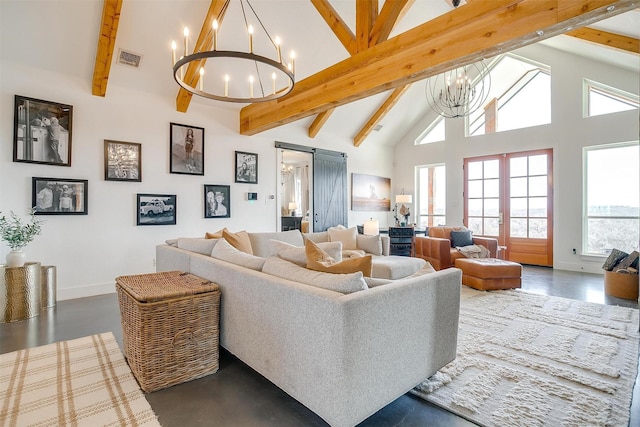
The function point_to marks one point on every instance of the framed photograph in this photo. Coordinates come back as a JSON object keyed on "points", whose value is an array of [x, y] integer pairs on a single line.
{"points": [[59, 196], [370, 193], [217, 201], [42, 132], [122, 161], [246, 167], [156, 209], [186, 152]]}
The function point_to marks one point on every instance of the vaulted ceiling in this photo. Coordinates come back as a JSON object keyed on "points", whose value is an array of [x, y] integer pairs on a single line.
{"points": [[358, 59]]}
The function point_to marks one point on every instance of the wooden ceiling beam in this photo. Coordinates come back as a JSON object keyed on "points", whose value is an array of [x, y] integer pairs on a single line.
{"points": [[366, 14], [616, 41], [464, 35], [205, 42], [319, 121], [388, 104], [392, 12], [337, 25], [106, 44]]}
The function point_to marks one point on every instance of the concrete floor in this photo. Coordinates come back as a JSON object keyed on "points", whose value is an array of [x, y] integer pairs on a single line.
{"points": [[238, 396]]}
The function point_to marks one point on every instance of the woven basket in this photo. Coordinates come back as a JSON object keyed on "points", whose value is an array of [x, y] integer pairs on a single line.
{"points": [[170, 325]]}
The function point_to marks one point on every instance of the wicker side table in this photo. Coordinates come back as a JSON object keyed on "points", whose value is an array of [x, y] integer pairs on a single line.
{"points": [[170, 327], [20, 292]]}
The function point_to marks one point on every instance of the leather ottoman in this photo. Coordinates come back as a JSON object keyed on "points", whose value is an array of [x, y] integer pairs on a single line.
{"points": [[487, 274]]}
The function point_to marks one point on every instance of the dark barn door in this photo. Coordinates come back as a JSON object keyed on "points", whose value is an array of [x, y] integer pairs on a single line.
{"points": [[330, 206]]}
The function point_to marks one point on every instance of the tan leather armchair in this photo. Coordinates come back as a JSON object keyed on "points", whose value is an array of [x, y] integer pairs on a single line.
{"points": [[437, 249]]}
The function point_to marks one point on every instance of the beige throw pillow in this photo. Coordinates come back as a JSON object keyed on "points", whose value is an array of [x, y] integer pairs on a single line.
{"points": [[345, 235], [239, 240], [370, 244], [297, 254], [225, 252], [319, 260]]}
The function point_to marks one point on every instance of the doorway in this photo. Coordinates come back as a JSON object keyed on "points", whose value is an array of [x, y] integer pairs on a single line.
{"points": [[510, 197], [296, 183]]}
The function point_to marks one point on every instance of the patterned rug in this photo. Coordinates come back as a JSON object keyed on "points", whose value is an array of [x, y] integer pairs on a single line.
{"points": [[82, 382], [530, 360]]}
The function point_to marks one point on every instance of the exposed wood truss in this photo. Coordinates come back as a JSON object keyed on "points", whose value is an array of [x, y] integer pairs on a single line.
{"points": [[337, 25], [617, 41], [379, 114], [465, 35], [205, 42], [106, 43]]}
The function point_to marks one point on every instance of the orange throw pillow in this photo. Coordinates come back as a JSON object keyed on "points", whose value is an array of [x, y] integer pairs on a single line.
{"points": [[216, 235], [319, 260], [239, 240]]}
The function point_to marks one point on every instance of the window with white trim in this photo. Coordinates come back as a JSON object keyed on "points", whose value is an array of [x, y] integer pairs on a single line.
{"points": [[611, 198], [433, 133], [601, 99], [431, 195]]}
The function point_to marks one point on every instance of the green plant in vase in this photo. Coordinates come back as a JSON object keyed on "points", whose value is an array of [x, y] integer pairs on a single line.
{"points": [[18, 234]]}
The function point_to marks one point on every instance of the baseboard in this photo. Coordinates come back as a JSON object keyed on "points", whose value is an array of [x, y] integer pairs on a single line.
{"points": [[579, 267], [85, 291]]}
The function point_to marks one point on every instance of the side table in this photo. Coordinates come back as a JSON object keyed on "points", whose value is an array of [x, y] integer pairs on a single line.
{"points": [[20, 292]]}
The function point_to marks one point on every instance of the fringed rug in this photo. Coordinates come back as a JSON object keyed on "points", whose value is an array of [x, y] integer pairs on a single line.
{"points": [[530, 360], [82, 382]]}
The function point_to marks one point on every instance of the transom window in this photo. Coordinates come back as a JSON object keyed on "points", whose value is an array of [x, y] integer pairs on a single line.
{"points": [[602, 99]]}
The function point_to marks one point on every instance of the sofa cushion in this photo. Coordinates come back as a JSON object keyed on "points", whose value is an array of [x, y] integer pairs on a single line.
{"points": [[320, 236], [197, 244], [369, 244], [214, 235], [239, 240], [345, 235], [344, 283], [351, 253], [260, 241], [372, 282], [225, 252], [319, 260], [395, 267], [461, 238], [172, 242], [297, 254]]}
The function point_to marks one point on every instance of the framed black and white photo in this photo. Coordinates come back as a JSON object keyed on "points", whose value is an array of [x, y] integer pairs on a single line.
{"points": [[122, 161], [42, 132], [156, 209], [217, 201], [246, 167], [186, 151], [59, 196]]}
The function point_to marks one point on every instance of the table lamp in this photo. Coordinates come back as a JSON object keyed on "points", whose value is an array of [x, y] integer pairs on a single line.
{"points": [[292, 208], [371, 227]]}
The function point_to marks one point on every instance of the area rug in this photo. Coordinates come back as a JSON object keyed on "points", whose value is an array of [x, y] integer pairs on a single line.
{"points": [[82, 382], [532, 360]]}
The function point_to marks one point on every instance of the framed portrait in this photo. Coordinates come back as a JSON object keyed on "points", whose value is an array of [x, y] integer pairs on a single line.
{"points": [[42, 132], [217, 201], [156, 209], [370, 193], [122, 161], [246, 167], [186, 152], [59, 196]]}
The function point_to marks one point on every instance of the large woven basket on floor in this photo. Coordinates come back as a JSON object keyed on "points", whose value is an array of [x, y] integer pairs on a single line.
{"points": [[170, 325]]}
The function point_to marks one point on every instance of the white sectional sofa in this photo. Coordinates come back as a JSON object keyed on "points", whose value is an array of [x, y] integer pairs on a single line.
{"points": [[344, 356]]}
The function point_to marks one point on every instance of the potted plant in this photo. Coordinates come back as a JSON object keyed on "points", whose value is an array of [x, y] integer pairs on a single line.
{"points": [[17, 234]]}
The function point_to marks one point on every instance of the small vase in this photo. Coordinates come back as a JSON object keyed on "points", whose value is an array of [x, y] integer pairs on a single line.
{"points": [[16, 259]]}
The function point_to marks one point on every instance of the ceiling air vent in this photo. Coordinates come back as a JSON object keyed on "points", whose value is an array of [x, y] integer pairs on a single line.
{"points": [[129, 58], [377, 128]]}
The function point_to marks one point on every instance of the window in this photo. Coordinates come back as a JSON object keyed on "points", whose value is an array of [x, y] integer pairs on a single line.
{"points": [[601, 99], [433, 133], [612, 198], [520, 95], [431, 195]]}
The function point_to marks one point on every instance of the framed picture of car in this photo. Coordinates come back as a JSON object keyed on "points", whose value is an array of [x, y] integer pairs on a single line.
{"points": [[186, 153], [59, 196], [122, 161], [156, 209], [217, 201], [246, 167], [42, 132]]}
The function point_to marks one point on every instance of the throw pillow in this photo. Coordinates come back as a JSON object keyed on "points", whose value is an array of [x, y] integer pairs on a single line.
{"points": [[297, 254], [319, 260], [345, 235], [320, 236], [216, 235], [172, 242], [461, 238], [197, 244], [370, 244], [372, 282], [225, 252], [239, 240], [344, 283]]}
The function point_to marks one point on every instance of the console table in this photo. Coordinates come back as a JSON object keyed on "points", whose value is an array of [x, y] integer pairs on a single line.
{"points": [[401, 241]]}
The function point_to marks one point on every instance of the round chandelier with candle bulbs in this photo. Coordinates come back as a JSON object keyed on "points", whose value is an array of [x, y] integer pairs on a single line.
{"points": [[230, 74]]}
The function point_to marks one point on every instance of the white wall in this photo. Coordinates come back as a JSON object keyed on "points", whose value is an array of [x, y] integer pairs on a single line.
{"points": [[90, 251], [567, 134]]}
